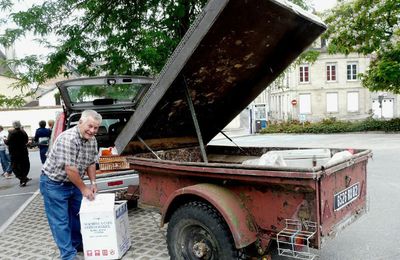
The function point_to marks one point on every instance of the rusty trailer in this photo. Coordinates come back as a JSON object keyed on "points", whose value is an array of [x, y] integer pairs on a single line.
{"points": [[216, 206], [256, 202]]}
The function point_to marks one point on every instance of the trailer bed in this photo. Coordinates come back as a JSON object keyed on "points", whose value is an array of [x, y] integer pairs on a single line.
{"points": [[331, 196]]}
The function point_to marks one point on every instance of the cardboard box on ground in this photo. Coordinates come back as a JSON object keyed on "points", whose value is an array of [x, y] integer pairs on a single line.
{"points": [[104, 227]]}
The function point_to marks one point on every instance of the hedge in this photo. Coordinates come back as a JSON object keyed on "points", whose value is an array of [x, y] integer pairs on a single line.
{"points": [[330, 125]]}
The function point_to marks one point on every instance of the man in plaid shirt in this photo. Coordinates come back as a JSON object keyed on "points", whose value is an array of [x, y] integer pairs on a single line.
{"points": [[72, 155]]}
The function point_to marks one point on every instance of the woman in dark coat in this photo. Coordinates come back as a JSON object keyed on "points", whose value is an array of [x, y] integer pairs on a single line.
{"points": [[17, 141]]}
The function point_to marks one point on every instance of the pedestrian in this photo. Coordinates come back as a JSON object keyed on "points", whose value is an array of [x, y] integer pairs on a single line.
{"points": [[17, 144], [72, 154], [4, 155], [42, 138]]}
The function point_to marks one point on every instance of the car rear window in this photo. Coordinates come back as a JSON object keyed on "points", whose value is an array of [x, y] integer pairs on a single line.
{"points": [[119, 93]]}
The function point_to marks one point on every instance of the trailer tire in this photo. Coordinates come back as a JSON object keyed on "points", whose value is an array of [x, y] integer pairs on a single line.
{"points": [[197, 231]]}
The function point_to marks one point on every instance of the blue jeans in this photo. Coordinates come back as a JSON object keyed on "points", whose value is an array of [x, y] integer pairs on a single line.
{"points": [[5, 161], [62, 202]]}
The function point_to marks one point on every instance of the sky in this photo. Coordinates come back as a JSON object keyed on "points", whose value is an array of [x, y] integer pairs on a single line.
{"points": [[24, 46], [322, 5], [27, 46]]}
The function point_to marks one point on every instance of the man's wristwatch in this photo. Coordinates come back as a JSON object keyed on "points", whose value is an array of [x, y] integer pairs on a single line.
{"points": [[93, 182]]}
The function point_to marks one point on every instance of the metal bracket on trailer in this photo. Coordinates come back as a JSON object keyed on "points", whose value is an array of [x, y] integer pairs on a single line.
{"points": [[294, 240], [195, 122], [148, 148]]}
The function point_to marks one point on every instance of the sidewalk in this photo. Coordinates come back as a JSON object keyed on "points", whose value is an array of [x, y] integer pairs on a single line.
{"points": [[28, 237]]}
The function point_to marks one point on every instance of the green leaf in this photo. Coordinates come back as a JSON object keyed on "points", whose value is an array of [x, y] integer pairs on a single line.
{"points": [[98, 36], [368, 27]]}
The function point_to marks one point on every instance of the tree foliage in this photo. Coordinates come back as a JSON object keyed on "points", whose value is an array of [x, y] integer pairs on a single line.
{"points": [[99, 36], [369, 27], [95, 37]]}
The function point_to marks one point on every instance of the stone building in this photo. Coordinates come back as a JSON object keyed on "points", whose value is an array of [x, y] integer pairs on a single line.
{"points": [[328, 88]]}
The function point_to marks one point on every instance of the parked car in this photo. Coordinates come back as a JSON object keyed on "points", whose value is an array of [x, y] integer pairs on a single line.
{"points": [[115, 98]]}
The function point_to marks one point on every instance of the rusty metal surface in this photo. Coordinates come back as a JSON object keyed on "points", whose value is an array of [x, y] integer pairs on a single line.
{"points": [[227, 158], [342, 179], [228, 205], [243, 173], [231, 53], [271, 196], [269, 203]]}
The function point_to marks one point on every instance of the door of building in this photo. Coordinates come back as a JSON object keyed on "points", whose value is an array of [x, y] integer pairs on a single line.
{"points": [[386, 111]]}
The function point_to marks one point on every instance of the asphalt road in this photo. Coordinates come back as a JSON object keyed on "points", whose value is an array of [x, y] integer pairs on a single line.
{"points": [[375, 235], [12, 196]]}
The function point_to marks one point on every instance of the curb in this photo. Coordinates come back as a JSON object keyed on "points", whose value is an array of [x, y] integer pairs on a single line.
{"points": [[218, 138], [11, 219]]}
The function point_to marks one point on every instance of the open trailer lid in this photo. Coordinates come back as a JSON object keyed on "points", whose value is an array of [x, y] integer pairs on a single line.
{"points": [[230, 54]]}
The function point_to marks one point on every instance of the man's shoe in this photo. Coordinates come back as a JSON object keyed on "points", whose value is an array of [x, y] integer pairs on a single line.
{"points": [[8, 175], [22, 184]]}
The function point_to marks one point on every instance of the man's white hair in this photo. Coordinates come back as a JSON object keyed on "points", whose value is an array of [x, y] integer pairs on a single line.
{"points": [[90, 114], [16, 124]]}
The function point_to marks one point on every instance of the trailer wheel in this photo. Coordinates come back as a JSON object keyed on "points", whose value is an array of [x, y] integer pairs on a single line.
{"points": [[197, 231]]}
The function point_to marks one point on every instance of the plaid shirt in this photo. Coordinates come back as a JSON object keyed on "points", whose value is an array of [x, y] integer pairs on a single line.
{"points": [[72, 150]]}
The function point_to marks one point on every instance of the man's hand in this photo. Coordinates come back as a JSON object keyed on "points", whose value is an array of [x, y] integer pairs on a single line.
{"points": [[74, 177], [93, 187], [88, 193]]}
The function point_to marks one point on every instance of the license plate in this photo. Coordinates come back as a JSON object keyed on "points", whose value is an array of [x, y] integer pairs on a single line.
{"points": [[346, 196]]}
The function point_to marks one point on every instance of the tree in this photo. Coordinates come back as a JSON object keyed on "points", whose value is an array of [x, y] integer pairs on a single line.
{"points": [[100, 36], [96, 36], [369, 27]]}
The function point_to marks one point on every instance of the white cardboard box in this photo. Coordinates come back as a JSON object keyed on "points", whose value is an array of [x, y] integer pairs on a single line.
{"points": [[104, 227]]}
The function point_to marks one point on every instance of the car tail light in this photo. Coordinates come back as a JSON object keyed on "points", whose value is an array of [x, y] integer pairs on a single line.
{"points": [[115, 183]]}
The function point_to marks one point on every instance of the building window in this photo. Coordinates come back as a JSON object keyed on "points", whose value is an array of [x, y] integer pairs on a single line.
{"points": [[304, 73], [352, 71], [332, 102], [305, 103], [323, 43], [331, 72], [352, 101]]}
